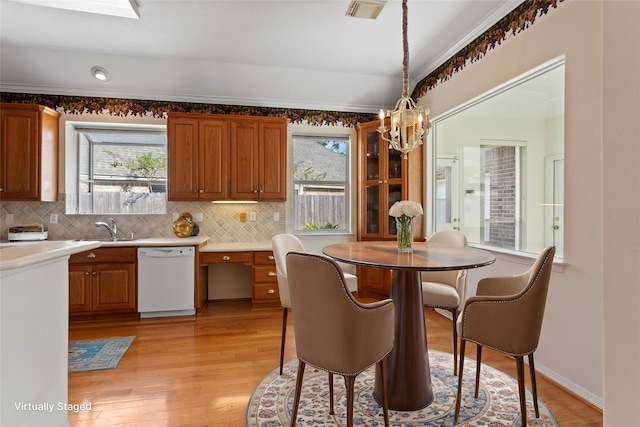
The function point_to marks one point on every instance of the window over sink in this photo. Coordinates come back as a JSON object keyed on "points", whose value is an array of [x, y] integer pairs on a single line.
{"points": [[119, 169]]}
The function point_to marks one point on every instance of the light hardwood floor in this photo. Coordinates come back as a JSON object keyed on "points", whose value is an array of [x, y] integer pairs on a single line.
{"points": [[201, 371]]}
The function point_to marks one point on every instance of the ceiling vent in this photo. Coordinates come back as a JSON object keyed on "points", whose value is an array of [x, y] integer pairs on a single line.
{"points": [[369, 9]]}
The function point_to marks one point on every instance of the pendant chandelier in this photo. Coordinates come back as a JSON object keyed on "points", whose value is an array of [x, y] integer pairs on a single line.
{"points": [[409, 123]]}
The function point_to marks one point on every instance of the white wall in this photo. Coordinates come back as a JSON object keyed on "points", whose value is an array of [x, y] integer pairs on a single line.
{"points": [[571, 346], [620, 150]]}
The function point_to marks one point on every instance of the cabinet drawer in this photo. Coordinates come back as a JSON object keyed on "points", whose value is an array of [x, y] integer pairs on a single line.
{"points": [[262, 274], [225, 257], [114, 254], [264, 257], [265, 292]]}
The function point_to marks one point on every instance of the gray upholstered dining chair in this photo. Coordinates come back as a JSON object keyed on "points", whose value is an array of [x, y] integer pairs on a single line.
{"points": [[446, 290], [282, 244], [333, 331], [506, 315]]}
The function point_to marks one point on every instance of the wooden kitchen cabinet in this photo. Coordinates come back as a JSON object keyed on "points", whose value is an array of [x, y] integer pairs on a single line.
{"points": [[197, 158], [384, 177], [265, 281], [28, 153], [103, 280], [217, 157], [258, 160]]}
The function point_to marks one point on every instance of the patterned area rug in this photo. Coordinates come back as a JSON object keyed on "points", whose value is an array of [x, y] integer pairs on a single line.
{"points": [[497, 403], [92, 355]]}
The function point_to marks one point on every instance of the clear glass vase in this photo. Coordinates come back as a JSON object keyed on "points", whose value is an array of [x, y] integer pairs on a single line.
{"points": [[404, 230]]}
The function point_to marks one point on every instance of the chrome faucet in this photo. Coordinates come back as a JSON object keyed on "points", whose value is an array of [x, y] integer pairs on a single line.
{"points": [[113, 230]]}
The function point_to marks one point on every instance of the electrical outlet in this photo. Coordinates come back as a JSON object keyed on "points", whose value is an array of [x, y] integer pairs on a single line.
{"points": [[276, 216], [252, 216], [243, 217], [53, 219], [197, 217], [8, 219], [175, 215]]}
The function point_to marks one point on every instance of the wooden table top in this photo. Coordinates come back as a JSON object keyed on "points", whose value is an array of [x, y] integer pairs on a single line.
{"points": [[425, 257]]}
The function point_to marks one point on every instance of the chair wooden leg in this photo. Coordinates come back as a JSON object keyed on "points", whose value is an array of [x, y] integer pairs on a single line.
{"points": [[534, 387], [385, 405], [296, 399], [521, 389], [478, 364], [330, 393], [350, 386], [454, 316], [459, 396], [285, 311]]}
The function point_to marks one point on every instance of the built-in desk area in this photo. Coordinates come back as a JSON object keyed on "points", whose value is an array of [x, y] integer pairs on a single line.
{"points": [[257, 255]]}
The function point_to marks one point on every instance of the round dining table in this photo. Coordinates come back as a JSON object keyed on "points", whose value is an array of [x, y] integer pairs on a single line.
{"points": [[407, 373]]}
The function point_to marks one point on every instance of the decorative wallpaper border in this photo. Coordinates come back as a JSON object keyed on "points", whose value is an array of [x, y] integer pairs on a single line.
{"points": [[135, 107], [519, 19]]}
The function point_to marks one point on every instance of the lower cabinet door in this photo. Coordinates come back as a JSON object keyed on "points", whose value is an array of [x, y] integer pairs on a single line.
{"points": [[80, 280], [114, 287]]}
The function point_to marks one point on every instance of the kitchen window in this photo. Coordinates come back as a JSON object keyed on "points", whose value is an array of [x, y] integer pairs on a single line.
{"points": [[320, 182], [121, 170]]}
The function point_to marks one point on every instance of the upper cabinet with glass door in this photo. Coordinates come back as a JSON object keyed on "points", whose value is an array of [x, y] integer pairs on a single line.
{"points": [[385, 178]]}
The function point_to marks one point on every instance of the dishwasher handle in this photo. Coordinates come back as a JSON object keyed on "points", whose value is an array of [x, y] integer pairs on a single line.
{"points": [[164, 252]]}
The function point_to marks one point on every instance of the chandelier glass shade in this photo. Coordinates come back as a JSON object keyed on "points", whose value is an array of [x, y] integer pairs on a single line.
{"points": [[409, 123]]}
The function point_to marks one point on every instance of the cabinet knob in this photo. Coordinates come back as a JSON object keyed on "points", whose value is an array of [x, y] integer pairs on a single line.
{"points": [[271, 291], [94, 273], [226, 258], [271, 274], [202, 191], [86, 273], [271, 258], [91, 255]]}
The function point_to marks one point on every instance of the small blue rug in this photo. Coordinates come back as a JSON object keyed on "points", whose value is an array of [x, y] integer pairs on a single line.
{"points": [[92, 355]]}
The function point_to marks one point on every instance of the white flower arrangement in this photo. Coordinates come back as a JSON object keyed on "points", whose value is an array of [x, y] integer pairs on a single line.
{"points": [[407, 208]]}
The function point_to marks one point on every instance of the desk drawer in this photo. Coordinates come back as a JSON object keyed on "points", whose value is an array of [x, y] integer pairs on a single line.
{"points": [[263, 257], [225, 257], [264, 274], [265, 292]]}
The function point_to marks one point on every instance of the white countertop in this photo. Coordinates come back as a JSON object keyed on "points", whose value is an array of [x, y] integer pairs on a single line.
{"points": [[22, 254], [159, 241]]}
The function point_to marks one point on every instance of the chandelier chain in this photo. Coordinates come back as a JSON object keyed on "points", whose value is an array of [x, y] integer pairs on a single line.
{"points": [[405, 50]]}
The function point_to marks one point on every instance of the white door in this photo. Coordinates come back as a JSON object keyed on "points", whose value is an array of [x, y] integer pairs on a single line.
{"points": [[447, 194]]}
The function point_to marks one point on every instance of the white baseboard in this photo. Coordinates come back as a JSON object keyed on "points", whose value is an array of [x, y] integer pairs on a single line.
{"points": [[563, 382]]}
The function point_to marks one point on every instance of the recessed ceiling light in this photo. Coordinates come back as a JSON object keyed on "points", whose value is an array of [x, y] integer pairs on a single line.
{"points": [[100, 74]]}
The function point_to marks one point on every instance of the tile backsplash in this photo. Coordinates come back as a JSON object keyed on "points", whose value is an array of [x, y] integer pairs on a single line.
{"points": [[221, 222]]}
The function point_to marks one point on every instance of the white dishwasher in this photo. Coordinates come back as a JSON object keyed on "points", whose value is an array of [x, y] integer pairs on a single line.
{"points": [[166, 281]]}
